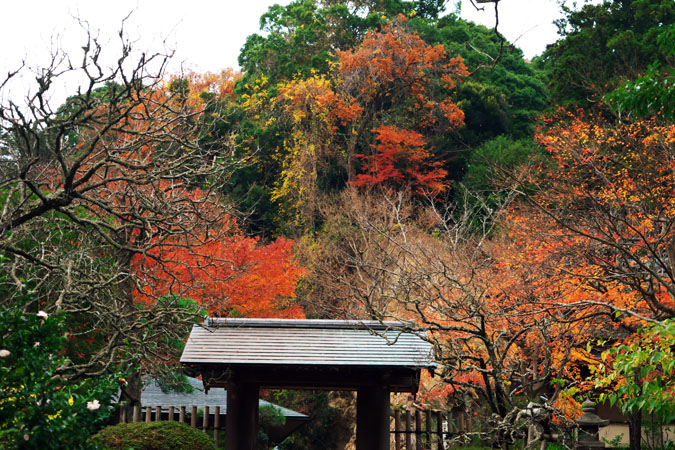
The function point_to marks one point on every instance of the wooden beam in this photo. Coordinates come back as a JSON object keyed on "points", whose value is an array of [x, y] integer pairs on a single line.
{"points": [[304, 377]]}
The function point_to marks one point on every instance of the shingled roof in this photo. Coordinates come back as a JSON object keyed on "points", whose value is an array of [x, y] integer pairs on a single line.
{"points": [[153, 396], [306, 342]]}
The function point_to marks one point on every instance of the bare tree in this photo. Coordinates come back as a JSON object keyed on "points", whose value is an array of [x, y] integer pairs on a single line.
{"points": [[114, 172], [442, 272]]}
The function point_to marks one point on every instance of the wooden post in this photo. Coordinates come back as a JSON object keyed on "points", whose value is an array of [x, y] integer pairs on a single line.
{"points": [[397, 429], [137, 414], [123, 415], [148, 414], [205, 422], [372, 418], [158, 413], [171, 413], [193, 417], [241, 422], [408, 430], [439, 431], [181, 414], [418, 430], [429, 428], [216, 426], [460, 426]]}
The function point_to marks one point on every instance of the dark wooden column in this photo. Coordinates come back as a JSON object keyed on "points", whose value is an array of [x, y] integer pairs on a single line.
{"points": [[241, 423], [372, 418]]}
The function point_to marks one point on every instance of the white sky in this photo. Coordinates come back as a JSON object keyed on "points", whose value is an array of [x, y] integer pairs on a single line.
{"points": [[206, 34]]}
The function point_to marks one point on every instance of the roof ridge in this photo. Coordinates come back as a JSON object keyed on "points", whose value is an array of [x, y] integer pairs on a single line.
{"points": [[305, 323]]}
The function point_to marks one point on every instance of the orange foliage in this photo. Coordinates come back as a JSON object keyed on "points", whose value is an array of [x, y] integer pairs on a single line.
{"points": [[202, 87], [609, 193], [229, 274], [393, 63], [593, 249]]}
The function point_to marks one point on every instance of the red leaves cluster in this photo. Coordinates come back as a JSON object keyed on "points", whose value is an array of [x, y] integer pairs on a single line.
{"points": [[401, 161]]}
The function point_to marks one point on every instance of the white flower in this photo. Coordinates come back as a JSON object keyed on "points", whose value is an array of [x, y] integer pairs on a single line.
{"points": [[37, 344], [4, 353], [42, 315], [93, 406]]}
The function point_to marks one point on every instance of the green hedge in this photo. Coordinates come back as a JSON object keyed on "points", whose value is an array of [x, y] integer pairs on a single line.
{"points": [[165, 435]]}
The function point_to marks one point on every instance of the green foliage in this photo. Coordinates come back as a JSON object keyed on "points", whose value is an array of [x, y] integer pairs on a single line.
{"points": [[640, 374], [268, 416], [500, 154], [174, 381], [486, 187], [165, 435], [652, 93], [301, 38], [39, 407], [321, 431], [503, 94], [605, 44]]}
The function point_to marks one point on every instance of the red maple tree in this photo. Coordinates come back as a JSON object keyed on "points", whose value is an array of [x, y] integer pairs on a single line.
{"points": [[401, 161]]}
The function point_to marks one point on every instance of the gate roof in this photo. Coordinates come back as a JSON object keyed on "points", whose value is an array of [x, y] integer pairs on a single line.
{"points": [[331, 354]]}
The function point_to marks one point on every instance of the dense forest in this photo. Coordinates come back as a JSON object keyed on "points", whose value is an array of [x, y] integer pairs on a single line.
{"points": [[371, 159]]}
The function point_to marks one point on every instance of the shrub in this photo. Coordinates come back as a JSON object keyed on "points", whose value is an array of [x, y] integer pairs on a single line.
{"points": [[40, 407], [165, 435]]}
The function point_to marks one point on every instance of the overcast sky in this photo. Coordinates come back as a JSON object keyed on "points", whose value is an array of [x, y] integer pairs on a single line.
{"points": [[206, 35]]}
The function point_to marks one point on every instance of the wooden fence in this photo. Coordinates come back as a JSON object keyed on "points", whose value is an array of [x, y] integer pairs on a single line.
{"points": [[429, 430], [211, 422], [412, 430]]}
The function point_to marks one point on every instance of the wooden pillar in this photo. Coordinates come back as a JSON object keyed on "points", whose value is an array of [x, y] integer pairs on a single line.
{"points": [[408, 430], [241, 421], [205, 421], [418, 430], [136, 416], [372, 418], [216, 426], [397, 429]]}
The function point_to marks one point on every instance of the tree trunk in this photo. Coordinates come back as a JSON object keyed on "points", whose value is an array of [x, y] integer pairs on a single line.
{"points": [[131, 393], [635, 430], [635, 421]]}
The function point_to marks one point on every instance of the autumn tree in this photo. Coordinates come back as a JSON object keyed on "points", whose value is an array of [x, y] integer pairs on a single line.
{"points": [[385, 257], [116, 171], [610, 186], [401, 161], [392, 69], [601, 211], [233, 275], [312, 46], [331, 119]]}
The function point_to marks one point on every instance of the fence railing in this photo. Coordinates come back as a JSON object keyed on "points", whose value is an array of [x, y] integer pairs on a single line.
{"points": [[429, 430], [211, 422], [412, 430]]}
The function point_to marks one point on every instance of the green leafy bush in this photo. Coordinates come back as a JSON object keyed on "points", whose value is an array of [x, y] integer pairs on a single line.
{"points": [[40, 407], [640, 375], [165, 435]]}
